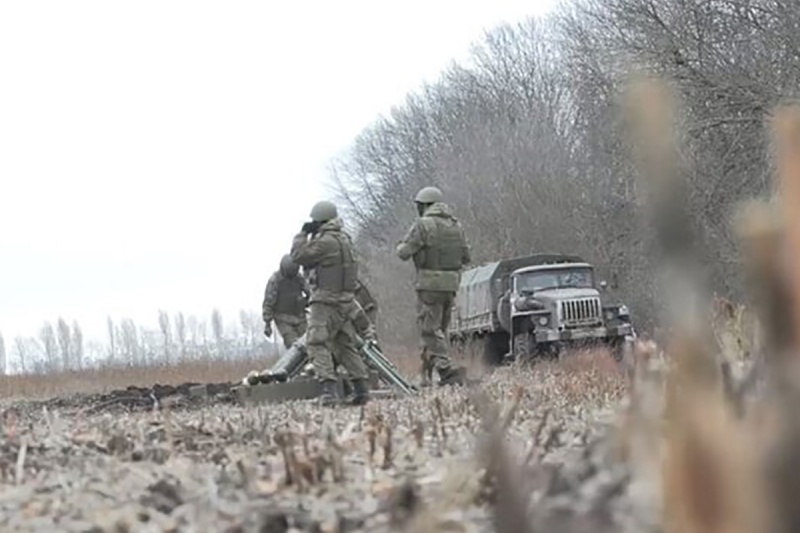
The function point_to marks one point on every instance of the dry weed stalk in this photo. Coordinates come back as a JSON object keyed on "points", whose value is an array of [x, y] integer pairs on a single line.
{"points": [[387, 448], [786, 139], [710, 479], [439, 417], [509, 499], [418, 432]]}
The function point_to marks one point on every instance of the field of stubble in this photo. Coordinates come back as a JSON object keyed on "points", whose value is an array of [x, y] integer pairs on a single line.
{"points": [[526, 446]]}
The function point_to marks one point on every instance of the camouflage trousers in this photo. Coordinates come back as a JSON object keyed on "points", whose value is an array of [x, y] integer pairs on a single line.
{"points": [[331, 340], [364, 325], [433, 318], [290, 327]]}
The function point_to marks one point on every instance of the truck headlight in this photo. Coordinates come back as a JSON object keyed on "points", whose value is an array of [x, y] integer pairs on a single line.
{"points": [[610, 314], [543, 320]]}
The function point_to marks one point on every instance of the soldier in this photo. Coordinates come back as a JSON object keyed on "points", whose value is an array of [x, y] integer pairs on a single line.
{"points": [[325, 249], [439, 249], [285, 302]]}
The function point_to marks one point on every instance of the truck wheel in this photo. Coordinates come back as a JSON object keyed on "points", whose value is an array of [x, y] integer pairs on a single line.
{"points": [[495, 348], [548, 350]]}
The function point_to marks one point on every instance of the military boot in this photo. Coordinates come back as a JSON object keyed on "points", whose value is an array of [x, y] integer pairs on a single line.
{"points": [[360, 392], [452, 376], [347, 387], [328, 398]]}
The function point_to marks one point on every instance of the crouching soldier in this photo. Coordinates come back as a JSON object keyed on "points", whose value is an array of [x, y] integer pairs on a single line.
{"points": [[325, 249], [285, 302]]}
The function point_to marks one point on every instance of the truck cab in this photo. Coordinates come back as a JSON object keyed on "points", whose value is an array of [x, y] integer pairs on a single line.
{"points": [[554, 304]]}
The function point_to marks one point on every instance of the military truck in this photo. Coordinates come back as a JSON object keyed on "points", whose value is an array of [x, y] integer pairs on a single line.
{"points": [[535, 306]]}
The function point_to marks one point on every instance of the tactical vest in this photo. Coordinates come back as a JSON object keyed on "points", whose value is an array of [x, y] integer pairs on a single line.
{"points": [[342, 276], [439, 262], [444, 246], [291, 300]]}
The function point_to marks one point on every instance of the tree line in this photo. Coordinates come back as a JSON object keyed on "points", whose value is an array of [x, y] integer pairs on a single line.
{"points": [[525, 140], [176, 339]]}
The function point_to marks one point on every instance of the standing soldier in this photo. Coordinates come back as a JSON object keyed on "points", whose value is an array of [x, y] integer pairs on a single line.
{"points": [[325, 249], [439, 249], [285, 302]]}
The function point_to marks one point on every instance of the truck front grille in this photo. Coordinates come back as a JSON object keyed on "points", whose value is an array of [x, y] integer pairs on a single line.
{"points": [[581, 312]]}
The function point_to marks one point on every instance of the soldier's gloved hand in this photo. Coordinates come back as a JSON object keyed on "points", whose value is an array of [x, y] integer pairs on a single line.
{"points": [[308, 227], [268, 330]]}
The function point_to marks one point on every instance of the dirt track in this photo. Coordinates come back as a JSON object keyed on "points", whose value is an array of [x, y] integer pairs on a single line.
{"points": [[413, 464]]}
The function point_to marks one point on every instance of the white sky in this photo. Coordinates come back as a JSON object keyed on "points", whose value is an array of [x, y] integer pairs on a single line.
{"points": [[162, 153]]}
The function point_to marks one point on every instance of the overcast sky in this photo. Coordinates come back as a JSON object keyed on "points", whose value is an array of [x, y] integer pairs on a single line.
{"points": [[160, 154]]}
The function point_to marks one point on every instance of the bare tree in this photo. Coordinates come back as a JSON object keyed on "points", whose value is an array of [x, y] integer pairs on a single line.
{"points": [[77, 345], [48, 337], [251, 327], [129, 342], [112, 344], [180, 332], [193, 329], [524, 140], [203, 351], [25, 351], [166, 333], [64, 344], [218, 332], [149, 345]]}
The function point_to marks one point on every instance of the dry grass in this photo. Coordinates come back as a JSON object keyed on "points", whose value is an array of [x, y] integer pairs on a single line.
{"points": [[406, 465], [721, 464], [119, 377]]}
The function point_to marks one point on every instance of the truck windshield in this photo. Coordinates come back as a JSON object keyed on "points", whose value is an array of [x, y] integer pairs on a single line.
{"points": [[553, 279]]}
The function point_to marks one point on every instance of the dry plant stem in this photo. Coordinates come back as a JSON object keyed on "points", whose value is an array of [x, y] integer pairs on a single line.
{"points": [[387, 449], [705, 473], [760, 230], [787, 143], [651, 107], [711, 477], [509, 504]]}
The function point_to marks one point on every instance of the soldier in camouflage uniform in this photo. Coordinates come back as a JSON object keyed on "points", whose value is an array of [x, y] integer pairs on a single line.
{"points": [[439, 250], [326, 250], [285, 302], [363, 319]]}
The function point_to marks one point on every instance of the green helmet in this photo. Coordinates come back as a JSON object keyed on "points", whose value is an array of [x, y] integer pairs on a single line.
{"points": [[323, 211], [429, 195], [288, 267]]}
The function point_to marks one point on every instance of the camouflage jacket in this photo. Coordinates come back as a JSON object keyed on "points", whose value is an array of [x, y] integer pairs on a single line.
{"points": [[437, 244], [285, 297], [329, 253]]}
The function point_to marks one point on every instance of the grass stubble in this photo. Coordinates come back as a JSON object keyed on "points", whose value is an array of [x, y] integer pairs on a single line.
{"points": [[698, 435]]}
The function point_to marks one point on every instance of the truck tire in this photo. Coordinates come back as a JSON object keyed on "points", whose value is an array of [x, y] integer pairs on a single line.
{"points": [[495, 348]]}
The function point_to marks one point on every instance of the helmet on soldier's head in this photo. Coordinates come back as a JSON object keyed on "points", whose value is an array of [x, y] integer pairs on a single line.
{"points": [[323, 211], [429, 195], [288, 267]]}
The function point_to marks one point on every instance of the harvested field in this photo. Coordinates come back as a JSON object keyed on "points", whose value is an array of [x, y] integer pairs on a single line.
{"points": [[418, 464]]}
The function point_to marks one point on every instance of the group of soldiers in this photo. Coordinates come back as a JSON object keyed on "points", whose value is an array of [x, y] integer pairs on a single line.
{"points": [[340, 307]]}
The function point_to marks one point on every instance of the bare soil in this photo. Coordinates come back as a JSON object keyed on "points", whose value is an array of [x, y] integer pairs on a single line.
{"points": [[526, 449]]}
